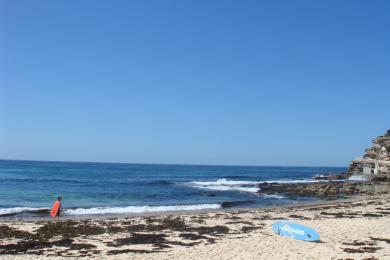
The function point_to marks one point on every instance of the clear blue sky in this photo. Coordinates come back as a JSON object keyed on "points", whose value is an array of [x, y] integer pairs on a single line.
{"points": [[199, 82]]}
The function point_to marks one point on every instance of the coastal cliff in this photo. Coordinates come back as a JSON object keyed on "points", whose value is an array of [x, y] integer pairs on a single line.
{"points": [[376, 159]]}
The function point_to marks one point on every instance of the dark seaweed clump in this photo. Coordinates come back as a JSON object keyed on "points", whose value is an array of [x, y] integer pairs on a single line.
{"points": [[125, 251], [9, 232], [69, 229], [360, 247], [35, 243], [365, 249], [36, 246], [246, 229], [137, 238]]}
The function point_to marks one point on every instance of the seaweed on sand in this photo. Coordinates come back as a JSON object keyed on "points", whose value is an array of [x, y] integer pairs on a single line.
{"points": [[69, 229], [125, 251], [246, 229], [387, 240], [26, 246], [359, 243], [298, 217], [192, 236], [137, 238], [10, 232], [365, 249]]}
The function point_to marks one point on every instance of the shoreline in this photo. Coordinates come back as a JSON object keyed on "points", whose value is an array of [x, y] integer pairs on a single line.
{"points": [[356, 228], [185, 212]]}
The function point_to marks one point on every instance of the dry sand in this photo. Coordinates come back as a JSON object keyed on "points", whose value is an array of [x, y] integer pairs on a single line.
{"points": [[358, 229]]}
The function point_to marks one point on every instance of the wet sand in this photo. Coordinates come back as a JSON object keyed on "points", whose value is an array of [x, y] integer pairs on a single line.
{"points": [[351, 229]]}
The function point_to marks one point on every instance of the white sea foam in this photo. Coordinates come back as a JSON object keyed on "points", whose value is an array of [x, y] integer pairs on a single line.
{"points": [[247, 189], [223, 182], [244, 186], [227, 188], [272, 196], [226, 185], [16, 210], [292, 181], [357, 177], [139, 209]]}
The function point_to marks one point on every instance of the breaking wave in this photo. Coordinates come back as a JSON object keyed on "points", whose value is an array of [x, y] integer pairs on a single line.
{"points": [[293, 181], [243, 186], [272, 196], [226, 185], [139, 209], [18, 210]]}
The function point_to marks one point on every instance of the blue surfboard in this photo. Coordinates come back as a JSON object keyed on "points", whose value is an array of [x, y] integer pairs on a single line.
{"points": [[294, 230]]}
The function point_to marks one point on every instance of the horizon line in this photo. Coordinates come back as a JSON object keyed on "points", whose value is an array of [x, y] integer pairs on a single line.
{"points": [[176, 164]]}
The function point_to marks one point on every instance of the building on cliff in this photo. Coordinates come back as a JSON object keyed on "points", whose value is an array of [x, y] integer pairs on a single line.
{"points": [[375, 164]]}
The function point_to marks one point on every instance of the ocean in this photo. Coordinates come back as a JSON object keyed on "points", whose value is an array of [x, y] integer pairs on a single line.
{"points": [[29, 188]]}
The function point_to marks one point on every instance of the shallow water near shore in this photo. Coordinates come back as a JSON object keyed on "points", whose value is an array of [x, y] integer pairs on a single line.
{"points": [[29, 188], [374, 187]]}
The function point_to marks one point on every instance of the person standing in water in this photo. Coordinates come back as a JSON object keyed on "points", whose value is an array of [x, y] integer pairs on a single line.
{"points": [[57, 208]]}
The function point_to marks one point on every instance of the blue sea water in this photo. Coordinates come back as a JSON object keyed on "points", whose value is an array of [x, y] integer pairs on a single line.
{"points": [[28, 187]]}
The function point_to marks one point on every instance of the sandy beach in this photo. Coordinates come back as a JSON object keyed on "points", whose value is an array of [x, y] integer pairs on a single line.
{"points": [[355, 229], [194, 130]]}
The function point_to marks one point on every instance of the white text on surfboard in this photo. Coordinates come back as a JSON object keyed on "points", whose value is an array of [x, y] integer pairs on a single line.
{"points": [[289, 229]]}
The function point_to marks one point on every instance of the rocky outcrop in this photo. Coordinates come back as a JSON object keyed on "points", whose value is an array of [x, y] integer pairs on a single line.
{"points": [[380, 149], [377, 156], [330, 190], [332, 176]]}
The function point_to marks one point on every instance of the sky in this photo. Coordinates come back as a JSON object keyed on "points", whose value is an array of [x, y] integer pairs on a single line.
{"points": [[290, 83]]}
